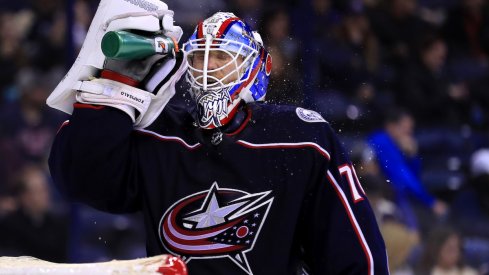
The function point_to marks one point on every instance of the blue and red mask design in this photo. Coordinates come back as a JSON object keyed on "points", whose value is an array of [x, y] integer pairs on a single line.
{"points": [[227, 64]]}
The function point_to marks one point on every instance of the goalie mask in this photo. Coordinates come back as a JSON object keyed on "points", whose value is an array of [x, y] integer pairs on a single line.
{"points": [[227, 64]]}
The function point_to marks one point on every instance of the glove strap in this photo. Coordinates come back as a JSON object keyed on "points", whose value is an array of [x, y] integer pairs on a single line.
{"points": [[114, 94]]}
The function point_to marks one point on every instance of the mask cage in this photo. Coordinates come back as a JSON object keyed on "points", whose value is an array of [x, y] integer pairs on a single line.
{"points": [[200, 79]]}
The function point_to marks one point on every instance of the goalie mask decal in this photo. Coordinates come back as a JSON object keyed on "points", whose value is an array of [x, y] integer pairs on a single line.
{"points": [[212, 108], [215, 223]]}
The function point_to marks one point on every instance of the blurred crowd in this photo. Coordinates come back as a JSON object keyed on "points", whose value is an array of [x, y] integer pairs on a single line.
{"points": [[405, 83]]}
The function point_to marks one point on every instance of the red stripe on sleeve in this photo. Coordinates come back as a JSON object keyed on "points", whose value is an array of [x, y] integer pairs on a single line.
{"points": [[62, 126], [87, 106], [354, 223]]}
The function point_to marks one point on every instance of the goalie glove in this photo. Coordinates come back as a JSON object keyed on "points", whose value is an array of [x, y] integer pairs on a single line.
{"points": [[150, 16], [121, 82]]}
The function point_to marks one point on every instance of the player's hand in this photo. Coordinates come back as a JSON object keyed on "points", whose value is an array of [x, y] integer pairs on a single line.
{"points": [[133, 85], [131, 72], [140, 87]]}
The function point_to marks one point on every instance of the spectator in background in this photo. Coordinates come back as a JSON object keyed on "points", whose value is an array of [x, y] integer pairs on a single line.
{"points": [[400, 240], [350, 58], [83, 18], [28, 126], [442, 254], [189, 12], [396, 151], [316, 19], [13, 28], [467, 30], [471, 205], [426, 91], [349, 66], [276, 31], [480, 100], [47, 47], [8, 203], [398, 28], [285, 81], [251, 11], [34, 229]]}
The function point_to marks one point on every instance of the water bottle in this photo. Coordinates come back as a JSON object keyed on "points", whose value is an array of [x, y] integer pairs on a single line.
{"points": [[127, 45]]}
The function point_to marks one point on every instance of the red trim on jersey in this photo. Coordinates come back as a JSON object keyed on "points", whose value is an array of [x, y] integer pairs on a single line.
{"points": [[225, 120], [108, 74], [168, 138], [318, 148], [229, 117], [243, 125], [355, 181], [358, 181], [353, 222], [225, 24], [62, 126], [87, 106]]}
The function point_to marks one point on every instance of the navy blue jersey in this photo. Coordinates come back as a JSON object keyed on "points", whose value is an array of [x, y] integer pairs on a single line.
{"points": [[277, 196]]}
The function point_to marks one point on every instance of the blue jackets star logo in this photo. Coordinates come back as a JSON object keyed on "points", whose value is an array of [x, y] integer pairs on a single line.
{"points": [[215, 223]]}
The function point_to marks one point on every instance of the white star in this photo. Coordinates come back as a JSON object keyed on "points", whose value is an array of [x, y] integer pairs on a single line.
{"points": [[213, 215]]}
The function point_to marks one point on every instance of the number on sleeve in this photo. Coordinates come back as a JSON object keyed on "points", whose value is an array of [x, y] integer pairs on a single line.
{"points": [[348, 171]]}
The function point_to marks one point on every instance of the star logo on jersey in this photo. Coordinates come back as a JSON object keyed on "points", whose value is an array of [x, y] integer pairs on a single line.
{"points": [[215, 223]]}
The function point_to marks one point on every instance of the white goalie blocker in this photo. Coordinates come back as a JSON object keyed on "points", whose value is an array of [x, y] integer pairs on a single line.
{"points": [[156, 265], [112, 15]]}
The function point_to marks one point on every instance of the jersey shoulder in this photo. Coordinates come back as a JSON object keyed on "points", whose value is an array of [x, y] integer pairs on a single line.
{"points": [[174, 121], [284, 123]]}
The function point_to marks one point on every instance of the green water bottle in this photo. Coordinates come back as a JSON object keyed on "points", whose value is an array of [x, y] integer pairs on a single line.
{"points": [[126, 45]]}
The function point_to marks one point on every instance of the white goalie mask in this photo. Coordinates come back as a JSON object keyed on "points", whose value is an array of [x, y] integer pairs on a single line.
{"points": [[227, 64]]}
